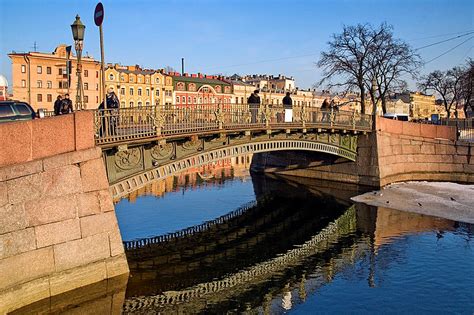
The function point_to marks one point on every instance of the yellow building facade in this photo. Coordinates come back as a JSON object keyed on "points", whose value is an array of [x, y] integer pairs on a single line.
{"points": [[136, 87], [38, 78]]}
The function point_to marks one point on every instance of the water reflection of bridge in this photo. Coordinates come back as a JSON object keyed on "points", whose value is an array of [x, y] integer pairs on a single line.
{"points": [[327, 245], [223, 264]]}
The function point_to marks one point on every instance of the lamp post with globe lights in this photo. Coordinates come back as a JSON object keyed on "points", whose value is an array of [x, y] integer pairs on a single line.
{"points": [[78, 34]]}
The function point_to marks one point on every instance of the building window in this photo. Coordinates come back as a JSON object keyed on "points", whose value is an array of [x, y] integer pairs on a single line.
{"points": [[49, 84], [122, 91], [189, 99], [131, 104], [86, 99], [177, 99], [147, 92], [23, 83], [39, 97], [97, 74], [97, 99], [139, 104], [183, 99], [86, 73], [48, 70], [39, 84], [97, 86], [131, 79], [122, 77], [194, 100], [122, 104], [63, 84], [131, 91], [180, 86], [139, 91], [111, 77], [157, 93], [86, 86], [139, 80], [39, 69], [23, 69], [147, 104], [157, 80], [49, 97]]}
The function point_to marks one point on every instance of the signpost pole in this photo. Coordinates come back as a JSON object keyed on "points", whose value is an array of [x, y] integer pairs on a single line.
{"points": [[102, 66], [98, 19]]}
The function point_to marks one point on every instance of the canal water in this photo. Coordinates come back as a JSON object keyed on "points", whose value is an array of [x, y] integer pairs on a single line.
{"points": [[241, 243], [224, 241]]}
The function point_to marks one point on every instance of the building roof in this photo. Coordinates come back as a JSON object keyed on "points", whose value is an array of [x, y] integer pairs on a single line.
{"points": [[198, 80]]}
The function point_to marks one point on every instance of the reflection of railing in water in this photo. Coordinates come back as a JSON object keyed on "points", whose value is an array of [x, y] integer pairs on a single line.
{"points": [[136, 244], [344, 224]]}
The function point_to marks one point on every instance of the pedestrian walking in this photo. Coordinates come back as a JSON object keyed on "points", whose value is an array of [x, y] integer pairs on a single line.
{"points": [[254, 103], [57, 105], [66, 106], [288, 106]]}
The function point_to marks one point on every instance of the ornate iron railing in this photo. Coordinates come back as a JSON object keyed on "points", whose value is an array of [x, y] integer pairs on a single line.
{"points": [[127, 124]]}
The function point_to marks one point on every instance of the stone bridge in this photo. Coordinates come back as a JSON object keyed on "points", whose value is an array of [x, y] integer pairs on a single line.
{"points": [[59, 175]]}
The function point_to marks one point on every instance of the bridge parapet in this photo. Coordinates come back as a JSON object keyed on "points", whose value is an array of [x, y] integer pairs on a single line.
{"points": [[58, 229], [133, 124]]}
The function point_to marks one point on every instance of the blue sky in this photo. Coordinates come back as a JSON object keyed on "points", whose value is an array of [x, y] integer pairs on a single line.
{"points": [[232, 36]]}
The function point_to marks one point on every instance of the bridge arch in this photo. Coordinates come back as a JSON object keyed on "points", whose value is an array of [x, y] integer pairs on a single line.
{"points": [[201, 157]]}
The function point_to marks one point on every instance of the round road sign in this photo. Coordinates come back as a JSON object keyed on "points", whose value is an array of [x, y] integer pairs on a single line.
{"points": [[99, 14]]}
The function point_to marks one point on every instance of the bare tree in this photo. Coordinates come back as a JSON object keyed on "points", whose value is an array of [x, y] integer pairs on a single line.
{"points": [[390, 59], [447, 84], [466, 97], [369, 59], [346, 59]]}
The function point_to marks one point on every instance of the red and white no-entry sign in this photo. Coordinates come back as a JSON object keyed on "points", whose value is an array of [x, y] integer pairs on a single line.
{"points": [[99, 14]]}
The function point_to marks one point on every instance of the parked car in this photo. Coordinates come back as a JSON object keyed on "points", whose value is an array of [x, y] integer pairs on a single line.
{"points": [[402, 117], [17, 111]]}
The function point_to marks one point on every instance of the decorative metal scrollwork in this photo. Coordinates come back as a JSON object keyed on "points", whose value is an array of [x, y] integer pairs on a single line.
{"points": [[267, 113], [192, 144], [219, 116], [161, 151], [128, 159], [247, 117], [334, 138]]}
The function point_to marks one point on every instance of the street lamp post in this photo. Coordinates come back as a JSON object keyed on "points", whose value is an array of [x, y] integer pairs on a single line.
{"points": [[78, 34]]}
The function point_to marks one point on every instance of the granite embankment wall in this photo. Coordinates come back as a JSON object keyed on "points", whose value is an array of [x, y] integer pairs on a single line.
{"points": [[58, 229], [397, 151]]}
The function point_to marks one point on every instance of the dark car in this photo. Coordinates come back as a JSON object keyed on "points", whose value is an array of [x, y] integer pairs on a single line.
{"points": [[15, 111]]}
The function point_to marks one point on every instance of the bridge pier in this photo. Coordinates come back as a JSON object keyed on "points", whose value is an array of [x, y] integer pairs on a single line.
{"points": [[397, 151], [58, 229]]}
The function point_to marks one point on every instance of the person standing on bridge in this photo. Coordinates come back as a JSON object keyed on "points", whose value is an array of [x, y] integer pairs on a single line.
{"points": [[109, 113], [254, 103], [288, 106], [66, 106], [57, 105], [325, 109]]}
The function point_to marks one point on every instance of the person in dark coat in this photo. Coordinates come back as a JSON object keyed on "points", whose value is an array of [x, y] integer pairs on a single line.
{"points": [[57, 105], [254, 103], [325, 109], [66, 106], [288, 106], [109, 113]]}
